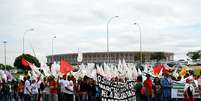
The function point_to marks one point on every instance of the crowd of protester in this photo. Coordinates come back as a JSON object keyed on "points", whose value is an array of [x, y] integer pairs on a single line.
{"points": [[160, 88], [65, 88]]}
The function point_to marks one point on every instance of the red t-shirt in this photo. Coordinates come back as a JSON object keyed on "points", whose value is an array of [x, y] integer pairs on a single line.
{"points": [[53, 87], [148, 86]]}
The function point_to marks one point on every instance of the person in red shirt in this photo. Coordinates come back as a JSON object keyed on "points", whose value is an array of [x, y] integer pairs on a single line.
{"points": [[148, 88], [53, 85]]}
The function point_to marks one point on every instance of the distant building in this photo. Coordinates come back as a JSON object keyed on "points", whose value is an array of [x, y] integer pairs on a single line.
{"points": [[101, 57]]}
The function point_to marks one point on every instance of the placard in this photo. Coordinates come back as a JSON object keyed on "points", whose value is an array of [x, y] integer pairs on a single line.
{"points": [[111, 90]]}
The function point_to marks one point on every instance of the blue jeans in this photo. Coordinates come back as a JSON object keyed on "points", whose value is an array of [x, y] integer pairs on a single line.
{"points": [[158, 97], [84, 97], [45, 97], [6, 97], [34, 97], [167, 98], [27, 97]]}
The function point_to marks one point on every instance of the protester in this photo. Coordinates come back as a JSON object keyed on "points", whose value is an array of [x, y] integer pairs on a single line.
{"points": [[27, 89], [5, 91], [77, 89], [69, 89], [84, 89], [62, 83], [199, 86], [34, 91], [1, 92], [93, 88], [14, 90], [157, 89], [38, 82], [166, 86], [98, 93], [44, 86], [148, 88], [53, 89], [139, 89], [20, 90], [189, 91]]}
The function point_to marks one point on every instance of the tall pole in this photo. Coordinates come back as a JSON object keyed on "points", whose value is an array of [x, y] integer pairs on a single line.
{"points": [[53, 47], [5, 53], [31, 29], [108, 54], [140, 30]]}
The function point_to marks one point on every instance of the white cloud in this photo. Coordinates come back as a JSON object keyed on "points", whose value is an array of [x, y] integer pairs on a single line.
{"points": [[166, 26]]}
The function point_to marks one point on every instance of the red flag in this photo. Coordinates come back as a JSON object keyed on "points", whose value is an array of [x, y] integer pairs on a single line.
{"points": [[157, 69], [24, 62], [165, 70], [65, 67]]}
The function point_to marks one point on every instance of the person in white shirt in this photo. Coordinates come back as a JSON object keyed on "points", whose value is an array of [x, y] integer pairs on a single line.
{"points": [[34, 90], [27, 89], [68, 89], [38, 82], [62, 87]]}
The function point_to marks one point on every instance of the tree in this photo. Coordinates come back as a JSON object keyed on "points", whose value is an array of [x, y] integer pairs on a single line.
{"points": [[157, 56], [7, 67], [29, 58], [194, 55]]}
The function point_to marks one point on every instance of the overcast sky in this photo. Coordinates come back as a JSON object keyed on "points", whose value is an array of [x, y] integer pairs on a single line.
{"points": [[167, 25]]}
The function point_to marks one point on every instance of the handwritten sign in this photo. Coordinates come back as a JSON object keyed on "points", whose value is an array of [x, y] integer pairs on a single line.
{"points": [[115, 90]]}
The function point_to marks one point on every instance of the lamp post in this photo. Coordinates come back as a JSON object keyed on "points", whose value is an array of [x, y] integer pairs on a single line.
{"points": [[4, 42], [108, 55], [31, 29], [53, 47], [140, 30]]}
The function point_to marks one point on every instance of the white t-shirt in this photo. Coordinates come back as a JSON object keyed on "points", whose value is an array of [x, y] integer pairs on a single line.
{"points": [[69, 86], [27, 87], [34, 88], [62, 84], [38, 83]]}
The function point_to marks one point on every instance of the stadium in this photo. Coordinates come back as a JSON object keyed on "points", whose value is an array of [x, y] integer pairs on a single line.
{"points": [[112, 57]]}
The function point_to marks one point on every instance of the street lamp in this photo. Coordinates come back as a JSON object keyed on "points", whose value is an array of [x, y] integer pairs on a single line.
{"points": [[140, 30], [4, 42], [52, 46], [31, 29], [108, 36]]}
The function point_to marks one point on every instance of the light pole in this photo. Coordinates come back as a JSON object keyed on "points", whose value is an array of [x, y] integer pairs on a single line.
{"points": [[4, 42], [52, 46], [31, 29], [140, 30], [108, 55]]}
